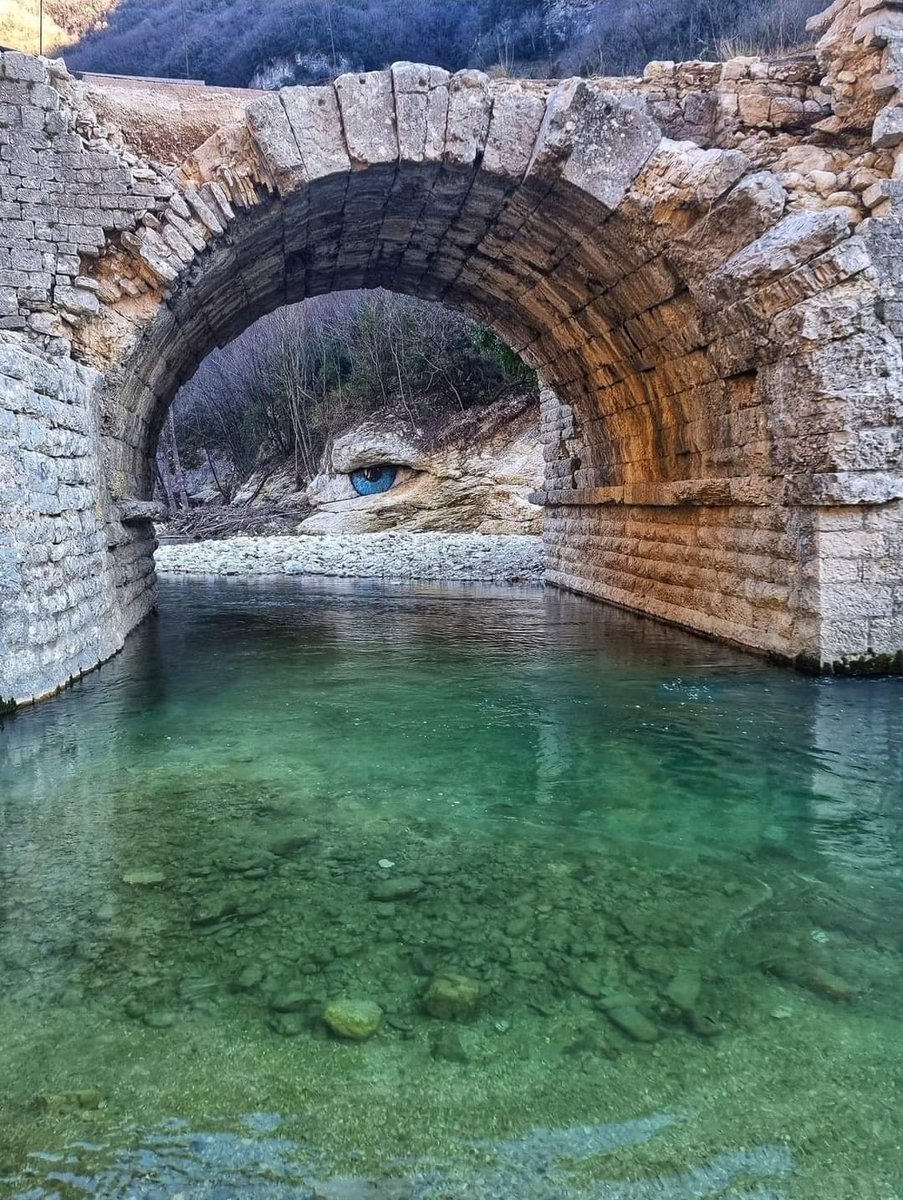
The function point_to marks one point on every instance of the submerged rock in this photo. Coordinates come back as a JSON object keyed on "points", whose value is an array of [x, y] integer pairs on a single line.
{"points": [[353, 1019], [159, 1019], [683, 990], [703, 1025], [813, 978], [452, 997], [289, 1000], [288, 1024], [67, 1102], [624, 1014], [291, 841], [587, 979], [144, 876], [446, 1044], [400, 888], [589, 1041], [252, 974], [214, 908]]}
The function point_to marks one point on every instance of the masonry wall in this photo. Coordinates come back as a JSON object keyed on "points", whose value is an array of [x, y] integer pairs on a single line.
{"points": [[821, 585], [860, 586], [74, 579], [71, 582]]}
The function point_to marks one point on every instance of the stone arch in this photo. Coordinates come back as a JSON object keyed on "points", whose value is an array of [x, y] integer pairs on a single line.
{"points": [[481, 195], [702, 332], [640, 275]]}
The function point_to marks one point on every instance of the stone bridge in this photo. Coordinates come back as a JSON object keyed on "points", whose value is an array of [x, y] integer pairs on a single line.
{"points": [[705, 265]]}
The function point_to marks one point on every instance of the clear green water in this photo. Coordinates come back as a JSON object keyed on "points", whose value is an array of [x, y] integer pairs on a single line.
{"points": [[615, 832]]}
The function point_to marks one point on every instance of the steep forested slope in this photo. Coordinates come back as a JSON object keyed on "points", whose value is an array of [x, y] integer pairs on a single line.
{"points": [[270, 42]]}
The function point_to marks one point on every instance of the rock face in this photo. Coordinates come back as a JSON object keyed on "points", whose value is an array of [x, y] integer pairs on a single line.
{"points": [[475, 473], [704, 265], [452, 997]]}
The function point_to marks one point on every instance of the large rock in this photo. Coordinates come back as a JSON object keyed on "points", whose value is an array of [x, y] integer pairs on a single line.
{"points": [[355, 1020], [474, 473], [452, 997]]}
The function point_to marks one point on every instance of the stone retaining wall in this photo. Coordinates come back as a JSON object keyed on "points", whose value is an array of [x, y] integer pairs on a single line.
{"points": [[73, 582]]}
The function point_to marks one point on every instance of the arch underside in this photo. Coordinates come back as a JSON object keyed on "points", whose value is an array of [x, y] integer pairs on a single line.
{"points": [[593, 299]]}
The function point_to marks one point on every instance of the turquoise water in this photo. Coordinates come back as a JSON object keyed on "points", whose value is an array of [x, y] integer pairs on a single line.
{"points": [[628, 904]]}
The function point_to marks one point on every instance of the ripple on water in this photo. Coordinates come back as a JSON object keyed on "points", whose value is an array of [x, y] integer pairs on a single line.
{"points": [[217, 1165]]}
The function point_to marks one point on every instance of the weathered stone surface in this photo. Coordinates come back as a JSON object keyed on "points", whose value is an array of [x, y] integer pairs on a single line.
{"points": [[367, 105], [887, 130], [421, 105], [517, 115], [596, 141], [469, 107], [316, 123], [272, 133], [472, 473], [134, 511]]}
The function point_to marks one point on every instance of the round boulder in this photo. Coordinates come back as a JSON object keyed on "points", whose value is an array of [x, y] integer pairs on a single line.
{"points": [[452, 997], [353, 1019]]}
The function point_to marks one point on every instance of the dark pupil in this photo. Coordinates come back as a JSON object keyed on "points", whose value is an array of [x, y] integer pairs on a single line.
{"points": [[372, 474]]}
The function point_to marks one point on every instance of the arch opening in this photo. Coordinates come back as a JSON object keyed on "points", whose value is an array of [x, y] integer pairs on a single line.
{"points": [[356, 412]]}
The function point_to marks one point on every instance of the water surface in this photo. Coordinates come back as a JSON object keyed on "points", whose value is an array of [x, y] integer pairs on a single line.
{"points": [[669, 874]]}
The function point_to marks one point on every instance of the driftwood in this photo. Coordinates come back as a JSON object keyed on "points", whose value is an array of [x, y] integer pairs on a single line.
{"points": [[222, 521]]}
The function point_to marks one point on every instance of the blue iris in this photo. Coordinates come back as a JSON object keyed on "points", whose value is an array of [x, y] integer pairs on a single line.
{"points": [[369, 481]]}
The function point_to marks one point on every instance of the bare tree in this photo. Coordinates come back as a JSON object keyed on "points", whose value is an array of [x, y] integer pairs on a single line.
{"points": [[295, 379]]}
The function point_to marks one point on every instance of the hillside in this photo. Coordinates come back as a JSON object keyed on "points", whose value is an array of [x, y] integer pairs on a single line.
{"points": [[19, 28], [245, 42]]}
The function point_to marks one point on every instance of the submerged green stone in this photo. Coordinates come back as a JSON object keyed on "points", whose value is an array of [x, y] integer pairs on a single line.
{"points": [[353, 1019], [452, 997]]}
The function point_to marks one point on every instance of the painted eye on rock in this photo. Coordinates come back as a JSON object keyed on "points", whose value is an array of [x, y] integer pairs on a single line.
{"points": [[369, 481]]}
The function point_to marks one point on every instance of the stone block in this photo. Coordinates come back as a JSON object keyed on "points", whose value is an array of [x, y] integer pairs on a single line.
{"points": [[593, 140], [516, 119], [316, 123], [421, 107], [367, 105], [76, 302], [887, 130], [24, 67], [270, 128], [469, 108]]}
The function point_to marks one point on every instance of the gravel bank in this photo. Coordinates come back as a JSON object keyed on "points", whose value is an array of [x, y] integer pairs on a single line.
{"points": [[365, 555]]}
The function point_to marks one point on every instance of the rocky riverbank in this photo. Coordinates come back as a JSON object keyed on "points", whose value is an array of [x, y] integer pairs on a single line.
{"points": [[463, 556]]}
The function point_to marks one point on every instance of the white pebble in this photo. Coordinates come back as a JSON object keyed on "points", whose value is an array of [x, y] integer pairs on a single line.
{"points": [[396, 555]]}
